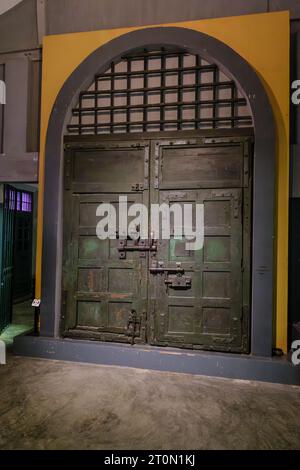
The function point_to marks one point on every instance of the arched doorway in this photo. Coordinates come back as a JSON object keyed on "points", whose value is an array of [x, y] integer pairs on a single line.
{"points": [[246, 81]]}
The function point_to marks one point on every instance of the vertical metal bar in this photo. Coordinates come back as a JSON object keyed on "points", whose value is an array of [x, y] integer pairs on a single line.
{"points": [[197, 93], [179, 94], [145, 93], [162, 93], [112, 97], [11, 260], [96, 106], [128, 94]]}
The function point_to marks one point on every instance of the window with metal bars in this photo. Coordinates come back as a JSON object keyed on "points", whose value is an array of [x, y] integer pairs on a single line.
{"points": [[18, 200], [163, 90]]}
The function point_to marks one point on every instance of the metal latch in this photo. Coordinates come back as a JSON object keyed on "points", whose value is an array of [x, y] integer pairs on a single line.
{"points": [[159, 267], [140, 245], [177, 279]]}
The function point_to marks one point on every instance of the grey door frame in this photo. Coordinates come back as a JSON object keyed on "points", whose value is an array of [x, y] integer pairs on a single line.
{"points": [[235, 67]]}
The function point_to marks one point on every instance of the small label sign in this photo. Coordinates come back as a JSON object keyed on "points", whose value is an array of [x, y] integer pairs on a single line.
{"points": [[36, 303]]}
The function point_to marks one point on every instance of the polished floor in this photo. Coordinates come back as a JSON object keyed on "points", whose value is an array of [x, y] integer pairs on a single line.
{"points": [[58, 405]]}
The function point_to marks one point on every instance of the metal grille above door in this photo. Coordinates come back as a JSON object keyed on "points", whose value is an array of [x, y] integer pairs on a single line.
{"points": [[162, 90]]}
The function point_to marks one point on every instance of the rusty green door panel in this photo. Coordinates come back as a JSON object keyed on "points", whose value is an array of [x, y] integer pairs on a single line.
{"points": [[208, 311], [168, 296], [104, 296], [205, 304]]}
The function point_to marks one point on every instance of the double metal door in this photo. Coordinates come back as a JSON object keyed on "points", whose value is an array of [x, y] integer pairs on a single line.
{"points": [[158, 291]]}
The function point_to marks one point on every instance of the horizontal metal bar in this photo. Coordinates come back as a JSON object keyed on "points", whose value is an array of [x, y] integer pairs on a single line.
{"points": [[191, 104], [205, 86], [169, 71], [166, 270], [137, 248], [73, 127], [154, 55], [224, 136]]}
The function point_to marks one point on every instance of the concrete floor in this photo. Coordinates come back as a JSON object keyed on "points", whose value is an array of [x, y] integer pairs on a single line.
{"points": [[59, 405]]}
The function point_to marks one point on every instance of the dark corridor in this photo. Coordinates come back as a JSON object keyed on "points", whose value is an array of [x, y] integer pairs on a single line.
{"points": [[17, 253]]}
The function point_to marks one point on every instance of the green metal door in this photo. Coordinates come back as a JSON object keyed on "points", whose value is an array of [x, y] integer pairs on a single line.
{"points": [[7, 265], [104, 281], [158, 292], [22, 287], [200, 298]]}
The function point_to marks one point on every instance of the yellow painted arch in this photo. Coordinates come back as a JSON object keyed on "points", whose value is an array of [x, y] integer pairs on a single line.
{"points": [[263, 40]]}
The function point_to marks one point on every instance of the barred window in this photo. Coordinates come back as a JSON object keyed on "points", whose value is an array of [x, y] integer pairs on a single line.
{"points": [[163, 90]]}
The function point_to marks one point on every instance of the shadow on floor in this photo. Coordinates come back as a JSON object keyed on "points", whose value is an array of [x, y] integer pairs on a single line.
{"points": [[23, 313]]}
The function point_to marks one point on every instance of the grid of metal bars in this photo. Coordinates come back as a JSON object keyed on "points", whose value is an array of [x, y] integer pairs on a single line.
{"points": [[158, 91], [18, 200]]}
